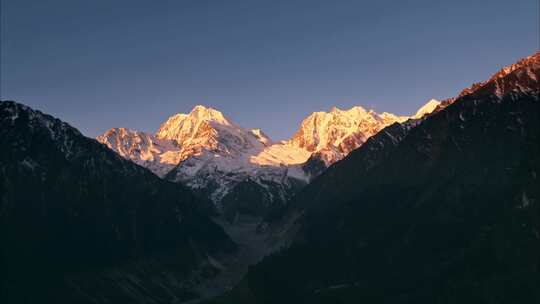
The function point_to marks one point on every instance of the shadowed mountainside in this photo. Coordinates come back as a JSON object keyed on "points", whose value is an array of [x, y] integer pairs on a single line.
{"points": [[78, 223]]}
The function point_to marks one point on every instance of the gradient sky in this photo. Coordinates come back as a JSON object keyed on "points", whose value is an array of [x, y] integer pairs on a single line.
{"points": [[265, 64]]}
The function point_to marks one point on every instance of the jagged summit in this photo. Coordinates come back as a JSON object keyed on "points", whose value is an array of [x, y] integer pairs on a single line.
{"points": [[208, 114], [201, 119], [338, 111], [355, 110], [340, 131]]}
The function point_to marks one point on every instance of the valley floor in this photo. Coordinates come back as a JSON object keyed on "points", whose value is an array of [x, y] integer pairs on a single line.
{"points": [[251, 249]]}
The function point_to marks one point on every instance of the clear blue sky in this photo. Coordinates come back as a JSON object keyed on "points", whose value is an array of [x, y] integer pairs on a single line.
{"points": [[266, 64]]}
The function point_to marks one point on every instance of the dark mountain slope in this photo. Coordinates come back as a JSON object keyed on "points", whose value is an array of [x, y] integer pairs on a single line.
{"points": [[448, 215], [80, 224]]}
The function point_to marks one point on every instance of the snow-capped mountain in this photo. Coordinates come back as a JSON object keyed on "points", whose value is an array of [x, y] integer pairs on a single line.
{"points": [[206, 129], [215, 154], [211, 154], [331, 135]]}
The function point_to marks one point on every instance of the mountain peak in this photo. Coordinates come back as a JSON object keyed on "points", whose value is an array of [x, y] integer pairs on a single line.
{"points": [[355, 110], [429, 107], [340, 131], [201, 108], [358, 110], [201, 112], [181, 127]]}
